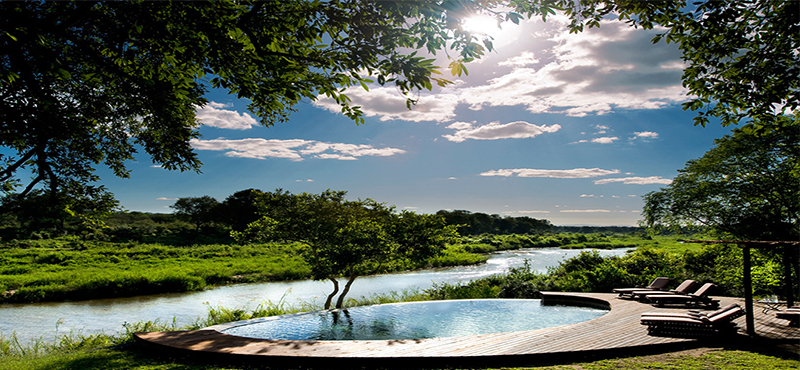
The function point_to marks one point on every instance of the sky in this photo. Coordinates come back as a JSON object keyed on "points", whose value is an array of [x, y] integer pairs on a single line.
{"points": [[571, 128]]}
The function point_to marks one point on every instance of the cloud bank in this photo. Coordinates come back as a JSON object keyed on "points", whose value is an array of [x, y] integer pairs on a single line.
{"points": [[576, 173], [295, 150], [636, 180], [548, 70]]}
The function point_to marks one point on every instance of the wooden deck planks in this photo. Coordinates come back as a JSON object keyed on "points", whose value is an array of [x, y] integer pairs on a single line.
{"points": [[619, 329]]}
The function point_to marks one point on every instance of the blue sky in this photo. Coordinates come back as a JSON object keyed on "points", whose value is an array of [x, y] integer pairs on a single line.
{"points": [[569, 128]]}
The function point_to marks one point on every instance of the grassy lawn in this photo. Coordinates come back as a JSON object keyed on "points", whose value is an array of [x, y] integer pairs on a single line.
{"points": [[138, 359]]}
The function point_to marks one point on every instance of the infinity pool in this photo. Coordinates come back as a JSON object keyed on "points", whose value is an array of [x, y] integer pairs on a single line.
{"points": [[414, 320]]}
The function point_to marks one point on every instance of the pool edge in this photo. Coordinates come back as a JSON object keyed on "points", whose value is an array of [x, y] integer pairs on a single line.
{"points": [[618, 331]]}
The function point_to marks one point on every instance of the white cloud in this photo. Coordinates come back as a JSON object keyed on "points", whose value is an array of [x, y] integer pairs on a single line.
{"points": [[295, 149], [532, 212], [576, 173], [636, 180], [165, 198], [521, 60], [496, 130], [593, 72], [600, 140], [644, 135], [388, 104], [585, 211], [587, 195], [212, 115], [605, 140]]}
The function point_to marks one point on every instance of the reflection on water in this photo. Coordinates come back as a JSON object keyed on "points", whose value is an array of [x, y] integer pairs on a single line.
{"points": [[48, 320], [417, 320]]}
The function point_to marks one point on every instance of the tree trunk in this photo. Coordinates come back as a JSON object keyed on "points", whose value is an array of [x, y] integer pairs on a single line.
{"points": [[340, 301], [790, 262], [330, 296]]}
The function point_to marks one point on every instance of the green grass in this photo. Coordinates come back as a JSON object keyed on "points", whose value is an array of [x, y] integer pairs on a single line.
{"points": [[138, 359], [70, 269], [73, 270]]}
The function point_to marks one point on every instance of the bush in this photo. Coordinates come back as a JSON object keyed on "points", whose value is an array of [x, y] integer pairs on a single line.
{"points": [[590, 272]]}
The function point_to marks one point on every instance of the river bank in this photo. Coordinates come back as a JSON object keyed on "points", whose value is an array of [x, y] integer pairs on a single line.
{"points": [[48, 321], [69, 269]]}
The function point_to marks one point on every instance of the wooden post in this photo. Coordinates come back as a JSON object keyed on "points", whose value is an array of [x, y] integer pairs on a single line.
{"points": [[748, 290]]}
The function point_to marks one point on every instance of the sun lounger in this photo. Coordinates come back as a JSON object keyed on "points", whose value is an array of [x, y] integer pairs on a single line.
{"points": [[685, 287], [690, 313], [658, 284], [693, 324], [698, 298], [792, 314]]}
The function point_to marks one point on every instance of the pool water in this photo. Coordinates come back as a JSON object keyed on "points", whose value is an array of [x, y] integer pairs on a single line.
{"points": [[415, 320]]}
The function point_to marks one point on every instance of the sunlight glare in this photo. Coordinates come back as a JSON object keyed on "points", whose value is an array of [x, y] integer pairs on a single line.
{"points": [[482, 25]]}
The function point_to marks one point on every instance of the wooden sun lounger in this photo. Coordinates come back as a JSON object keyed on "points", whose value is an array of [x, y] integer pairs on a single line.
{"points": [[685, 287], [792, 314], [698, 298], [693, 325], [658, 284]]}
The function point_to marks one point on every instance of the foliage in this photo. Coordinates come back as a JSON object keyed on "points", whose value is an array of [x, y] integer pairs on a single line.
{"points": [[87, 83], [56, 212], [470, 223], [72, 269], [487, 243], [347, 238], [200, 210], [590, 272], [746, 186], [741, 56], [239, 209]]}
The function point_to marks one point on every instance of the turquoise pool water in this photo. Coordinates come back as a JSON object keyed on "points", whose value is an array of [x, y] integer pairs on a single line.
{"points": [[415, 320]]}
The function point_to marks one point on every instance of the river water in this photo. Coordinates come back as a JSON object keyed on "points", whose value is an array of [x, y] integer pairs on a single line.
{"points": [[49, 321]]}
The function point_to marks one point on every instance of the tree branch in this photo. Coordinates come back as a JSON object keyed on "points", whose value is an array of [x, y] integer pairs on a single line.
{"points": [[8, 172]]}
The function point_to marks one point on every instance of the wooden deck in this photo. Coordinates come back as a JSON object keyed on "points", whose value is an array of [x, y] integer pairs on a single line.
{"points": [[617, 333]]}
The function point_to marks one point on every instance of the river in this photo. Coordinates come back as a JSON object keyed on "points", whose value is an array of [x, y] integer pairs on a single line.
{"points": [[49, 321]]}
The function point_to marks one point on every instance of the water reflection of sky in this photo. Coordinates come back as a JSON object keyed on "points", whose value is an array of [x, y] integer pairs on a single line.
{"points": [[417, 320], [48, 320]]}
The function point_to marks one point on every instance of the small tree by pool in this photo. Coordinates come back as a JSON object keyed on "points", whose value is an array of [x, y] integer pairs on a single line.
{"points": [[344, 237]]}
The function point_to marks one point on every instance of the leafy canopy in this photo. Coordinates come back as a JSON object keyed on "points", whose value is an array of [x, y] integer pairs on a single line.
{"points": [[87, 83], [345, 237], [199, 210], [746, 186]]}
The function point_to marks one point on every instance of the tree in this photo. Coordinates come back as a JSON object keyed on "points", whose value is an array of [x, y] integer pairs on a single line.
{"points": [[741, 56], [87, 83], [200, 210], [346, 238], [43, 213], [746, 187], [239, 209]]}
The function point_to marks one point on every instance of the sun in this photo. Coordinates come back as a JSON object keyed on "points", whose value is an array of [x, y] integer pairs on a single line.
{"points": [[482, 25]]}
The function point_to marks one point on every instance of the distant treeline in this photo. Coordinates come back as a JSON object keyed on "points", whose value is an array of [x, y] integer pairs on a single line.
{"points": [[476, 223], [205, 220]]}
